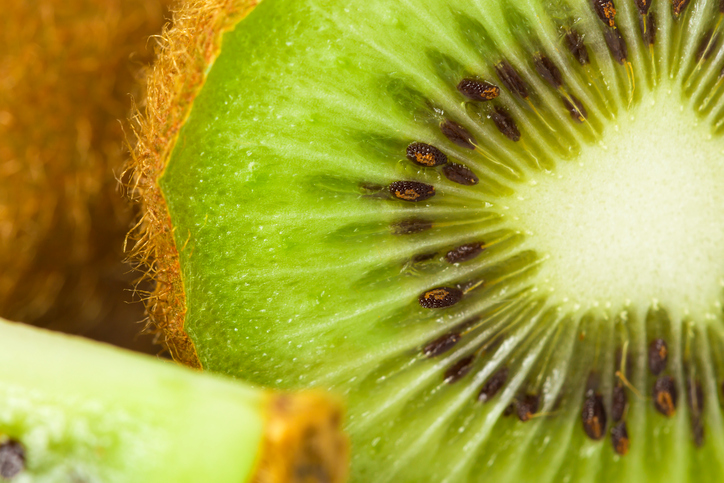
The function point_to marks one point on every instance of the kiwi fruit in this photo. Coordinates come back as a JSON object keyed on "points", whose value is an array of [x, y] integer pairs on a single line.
{"points": [[494, 226], [68, 73], [78, 411]]}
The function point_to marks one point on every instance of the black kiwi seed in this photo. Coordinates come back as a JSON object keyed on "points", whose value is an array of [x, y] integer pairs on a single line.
{"points": [[511, 79], [574, 40], [616, 45], [425, 155], [441, 345], [619, 438], [578, 111], [528, 406], [707, 46], [643, 6], [648, 34], [493, 385], [457, 134], [658, 355], [695, 395], [695, 398], [665, 395], [440, 297], [619, 401], [12, 459], [411, 226], [606, 11], [721, 7], [478, 90], [459, 369], [509, 409], [457, 173], [593, 416], [548, 70], [423, 257], [505, 123], [411, 190], [464, 253], [678, 6]]}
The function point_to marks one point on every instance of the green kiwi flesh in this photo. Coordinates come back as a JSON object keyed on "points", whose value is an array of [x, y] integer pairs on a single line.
{"points": [[72, 410], [78, 411], [493, 225]]}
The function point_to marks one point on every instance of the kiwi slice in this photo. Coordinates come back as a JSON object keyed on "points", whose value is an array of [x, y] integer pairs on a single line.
{"points": [[495, 226], [78, 411]]}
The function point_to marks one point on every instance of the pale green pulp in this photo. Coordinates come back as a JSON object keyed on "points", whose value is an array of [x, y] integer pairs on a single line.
{"points": [[88, 412]]}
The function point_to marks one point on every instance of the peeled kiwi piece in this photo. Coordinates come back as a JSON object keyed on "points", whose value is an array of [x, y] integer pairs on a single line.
{"points": [[72, 410], [495, 226]]}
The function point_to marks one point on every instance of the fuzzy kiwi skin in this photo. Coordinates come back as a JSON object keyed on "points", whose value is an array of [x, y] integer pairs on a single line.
{"points": [[156, 124], [70, 71]]}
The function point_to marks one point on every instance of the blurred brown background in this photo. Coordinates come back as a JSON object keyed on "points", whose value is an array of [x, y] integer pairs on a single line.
{"points": [[69, 70]]}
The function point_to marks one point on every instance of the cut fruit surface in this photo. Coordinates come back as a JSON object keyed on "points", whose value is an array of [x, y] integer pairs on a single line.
{"points": [[77, 411], [633, 219], [480, 220]]}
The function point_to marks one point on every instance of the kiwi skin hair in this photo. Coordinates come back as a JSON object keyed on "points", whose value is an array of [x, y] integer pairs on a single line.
{"points": [[494, 226], [70, 71], [76, 410], [172, 85]]}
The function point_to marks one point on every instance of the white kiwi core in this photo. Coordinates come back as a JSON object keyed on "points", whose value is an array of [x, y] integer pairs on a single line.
{"points": [[637, 219]]}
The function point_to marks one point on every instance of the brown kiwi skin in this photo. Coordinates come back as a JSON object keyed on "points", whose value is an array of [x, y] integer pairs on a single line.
{"points": [[177, 76], [71, 69]]}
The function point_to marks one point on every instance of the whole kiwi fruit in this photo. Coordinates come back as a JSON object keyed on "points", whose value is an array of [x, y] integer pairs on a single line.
{"points": [[495, 226], [69, 70]]}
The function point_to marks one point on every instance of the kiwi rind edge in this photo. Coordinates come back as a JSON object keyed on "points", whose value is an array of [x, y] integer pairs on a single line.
{"points": [[179, 72]]}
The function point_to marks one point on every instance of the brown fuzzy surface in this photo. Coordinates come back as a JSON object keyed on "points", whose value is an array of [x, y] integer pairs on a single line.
{"points": [[186, 50], [303, 440], [68, 69]]}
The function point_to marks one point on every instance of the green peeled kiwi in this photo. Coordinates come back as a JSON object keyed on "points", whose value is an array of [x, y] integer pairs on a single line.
{"points": [[72, 410], [496, 226]]}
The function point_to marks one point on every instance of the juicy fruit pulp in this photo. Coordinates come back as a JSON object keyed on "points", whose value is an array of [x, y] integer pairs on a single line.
{"points": [[493, 225], [73, 410], [636, 218]]}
